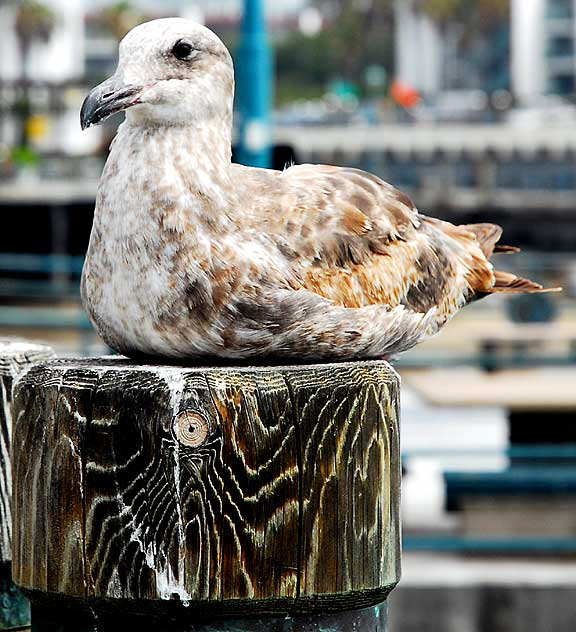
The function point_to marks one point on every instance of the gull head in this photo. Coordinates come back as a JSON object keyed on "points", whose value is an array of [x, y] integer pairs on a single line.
{"points": [[171, 72]]}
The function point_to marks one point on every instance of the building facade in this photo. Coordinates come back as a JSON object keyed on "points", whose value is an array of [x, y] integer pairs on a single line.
{"points": [[531, 52], [543, 54], [418, 49], [435, 58]]}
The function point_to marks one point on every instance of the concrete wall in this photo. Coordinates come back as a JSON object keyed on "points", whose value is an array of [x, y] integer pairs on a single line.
{"points": [[450, 592], [482, 609]]}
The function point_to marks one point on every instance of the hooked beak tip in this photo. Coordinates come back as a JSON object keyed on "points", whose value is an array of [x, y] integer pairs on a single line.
{"points": [[90, 108], [105, 100]]}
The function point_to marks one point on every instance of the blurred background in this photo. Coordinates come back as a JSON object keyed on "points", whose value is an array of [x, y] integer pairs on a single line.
{"points": [[467, 105]]}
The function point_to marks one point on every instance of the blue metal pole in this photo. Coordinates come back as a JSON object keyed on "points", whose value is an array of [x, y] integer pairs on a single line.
{"points": [[254, 88]]}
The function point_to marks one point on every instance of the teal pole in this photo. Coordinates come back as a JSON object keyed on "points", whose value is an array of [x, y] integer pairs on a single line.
{"points": [[254, 88]]}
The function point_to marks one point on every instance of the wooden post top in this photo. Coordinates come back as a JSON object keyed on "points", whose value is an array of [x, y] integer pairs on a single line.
{"points": [[16, 355], [226, 490]]}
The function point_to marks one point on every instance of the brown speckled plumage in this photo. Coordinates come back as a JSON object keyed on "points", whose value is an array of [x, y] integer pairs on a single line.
{"points": [[193, 256]]}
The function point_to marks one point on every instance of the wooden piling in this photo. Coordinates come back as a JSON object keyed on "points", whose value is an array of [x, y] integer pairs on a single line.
{"points": [[15, 356], [194, 494]]}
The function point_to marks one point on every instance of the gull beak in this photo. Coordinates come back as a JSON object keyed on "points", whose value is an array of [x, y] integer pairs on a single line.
{"points": [[106, 99]]}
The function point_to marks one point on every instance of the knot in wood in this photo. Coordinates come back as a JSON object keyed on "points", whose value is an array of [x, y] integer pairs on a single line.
{"points": [[190, 428]]}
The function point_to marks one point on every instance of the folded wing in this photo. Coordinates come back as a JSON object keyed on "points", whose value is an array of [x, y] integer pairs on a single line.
{"points": [[358, 241]]}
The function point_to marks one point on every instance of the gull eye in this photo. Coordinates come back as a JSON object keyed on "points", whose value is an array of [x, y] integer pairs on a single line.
{"points": [[182, 50]]}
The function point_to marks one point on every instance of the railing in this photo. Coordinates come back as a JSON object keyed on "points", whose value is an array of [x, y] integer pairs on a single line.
{"points": [[463, 544], [532, 452], [40, 276], [542, 470]]}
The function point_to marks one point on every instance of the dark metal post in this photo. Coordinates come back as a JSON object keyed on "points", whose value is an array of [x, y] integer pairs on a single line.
{"points": [[372, 619]]}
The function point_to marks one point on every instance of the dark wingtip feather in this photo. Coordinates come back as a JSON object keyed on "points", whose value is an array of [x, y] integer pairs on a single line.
{"points": [[508, 250], [507, 282]]}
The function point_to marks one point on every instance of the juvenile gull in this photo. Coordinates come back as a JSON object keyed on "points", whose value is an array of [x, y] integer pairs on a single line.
{"points": [[191, 255]]}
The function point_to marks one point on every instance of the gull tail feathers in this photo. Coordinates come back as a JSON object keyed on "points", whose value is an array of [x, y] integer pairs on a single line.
{"points": [[488, 236], [507, 282]]}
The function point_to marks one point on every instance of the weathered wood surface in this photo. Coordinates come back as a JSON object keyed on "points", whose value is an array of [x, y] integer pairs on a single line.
{"points": [[15, 356], [213, 491]]}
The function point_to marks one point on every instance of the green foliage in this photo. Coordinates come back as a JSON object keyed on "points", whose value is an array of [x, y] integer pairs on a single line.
{"points": [[357, 35], [444, 10], [305, 65], [24, 156]]}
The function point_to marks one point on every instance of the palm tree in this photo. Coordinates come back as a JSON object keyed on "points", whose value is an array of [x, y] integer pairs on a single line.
{"points": [[120, 18], [34, 23]]}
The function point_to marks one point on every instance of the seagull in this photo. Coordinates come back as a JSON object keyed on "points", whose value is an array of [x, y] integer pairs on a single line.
{"points": [[192, 256]]}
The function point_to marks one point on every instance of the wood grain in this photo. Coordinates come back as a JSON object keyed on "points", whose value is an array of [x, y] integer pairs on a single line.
{"points": [[225, 490], [15, 356], [348, 424]]}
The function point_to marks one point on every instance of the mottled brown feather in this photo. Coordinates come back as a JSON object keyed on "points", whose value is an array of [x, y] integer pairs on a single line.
{"points": [[486, 234], [367, 245]]}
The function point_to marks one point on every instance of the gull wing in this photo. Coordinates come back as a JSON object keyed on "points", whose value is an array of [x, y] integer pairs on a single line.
{"points": [[358, 241]]}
